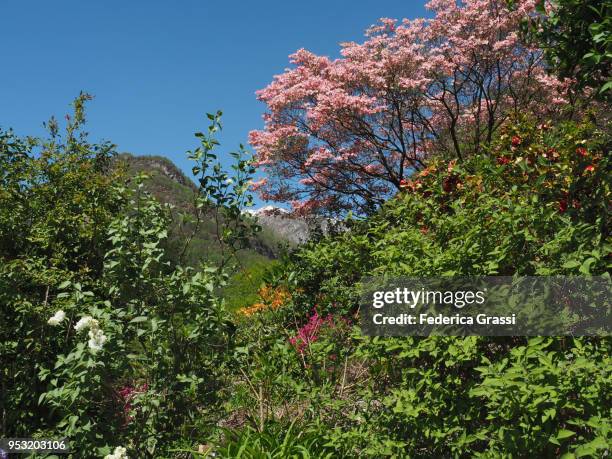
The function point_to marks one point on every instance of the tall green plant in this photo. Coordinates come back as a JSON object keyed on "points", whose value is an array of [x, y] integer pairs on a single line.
{"points": [[104, 340]]}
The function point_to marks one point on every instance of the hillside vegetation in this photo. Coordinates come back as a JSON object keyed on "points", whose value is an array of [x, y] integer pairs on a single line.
{"points": [[169, 185], [535, 204], [128, 327], [190, 242], [112, 343]]}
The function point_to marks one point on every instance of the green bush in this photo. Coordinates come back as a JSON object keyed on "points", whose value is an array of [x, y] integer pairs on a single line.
{"points": [[104, 340], [535, 204], [275, 442], [576, 36], [539, 207]]}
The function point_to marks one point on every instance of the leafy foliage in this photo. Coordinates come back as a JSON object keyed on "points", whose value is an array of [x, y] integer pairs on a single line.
{"points": [[83, 254], [535, 204], [112, 336], [577, 38], [56, 201], [274, 442]]}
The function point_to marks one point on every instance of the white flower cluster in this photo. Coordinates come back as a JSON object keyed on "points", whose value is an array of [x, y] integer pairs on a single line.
{"points": [[86, 322], [97, 338], [119, 453], [57, 318]]}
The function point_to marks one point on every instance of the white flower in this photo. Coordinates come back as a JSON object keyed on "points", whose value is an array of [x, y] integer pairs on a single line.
{"points": [[57, 318], [83, 323], [86, 322], [119, 453], [97, 338]]}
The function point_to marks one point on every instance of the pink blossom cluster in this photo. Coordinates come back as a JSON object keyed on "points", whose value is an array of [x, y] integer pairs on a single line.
{"points": [[343, 133], [309, 332]]}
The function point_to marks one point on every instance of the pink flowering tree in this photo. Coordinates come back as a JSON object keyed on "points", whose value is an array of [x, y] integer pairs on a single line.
{"points": [[344, 134]]}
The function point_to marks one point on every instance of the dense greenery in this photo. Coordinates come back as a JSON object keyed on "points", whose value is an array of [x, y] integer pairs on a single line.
{"points": [[128, 327], [577, 38], [84, 254], [108, 340], [536, 204]]}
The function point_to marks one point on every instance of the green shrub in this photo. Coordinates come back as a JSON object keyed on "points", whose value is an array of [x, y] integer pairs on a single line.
{"points": [[535, 204], [104, 340], [275, 442]]}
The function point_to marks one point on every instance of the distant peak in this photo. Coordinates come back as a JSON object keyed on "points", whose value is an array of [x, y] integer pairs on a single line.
{"points": [[268, 210]]}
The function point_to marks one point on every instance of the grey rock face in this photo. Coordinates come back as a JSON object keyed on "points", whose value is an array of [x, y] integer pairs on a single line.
{"points": [[281, 222]]}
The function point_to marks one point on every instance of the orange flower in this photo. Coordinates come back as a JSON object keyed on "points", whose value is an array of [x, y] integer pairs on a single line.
{"points": [[427, 171], [250, 310], [271, 298]]}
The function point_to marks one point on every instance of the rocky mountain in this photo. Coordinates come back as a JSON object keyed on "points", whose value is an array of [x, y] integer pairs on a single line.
{"points": [[281, 222], [168, 184]]}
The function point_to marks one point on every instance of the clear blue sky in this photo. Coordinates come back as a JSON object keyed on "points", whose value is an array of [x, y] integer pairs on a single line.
{"points": [[156, 67]]}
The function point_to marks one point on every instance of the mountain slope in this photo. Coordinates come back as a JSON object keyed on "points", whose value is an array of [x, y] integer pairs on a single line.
{"points": [[168, 184]]}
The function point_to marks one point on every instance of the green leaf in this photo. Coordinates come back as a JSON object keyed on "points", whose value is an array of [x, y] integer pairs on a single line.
{"points": [[64, 284], [585, 268], [606, 87], [138, 319], [564, 433], [571, 264]]}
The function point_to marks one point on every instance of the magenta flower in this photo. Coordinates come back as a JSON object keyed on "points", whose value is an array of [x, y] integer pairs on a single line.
{"points": [[309, 333], [126, 395]]}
